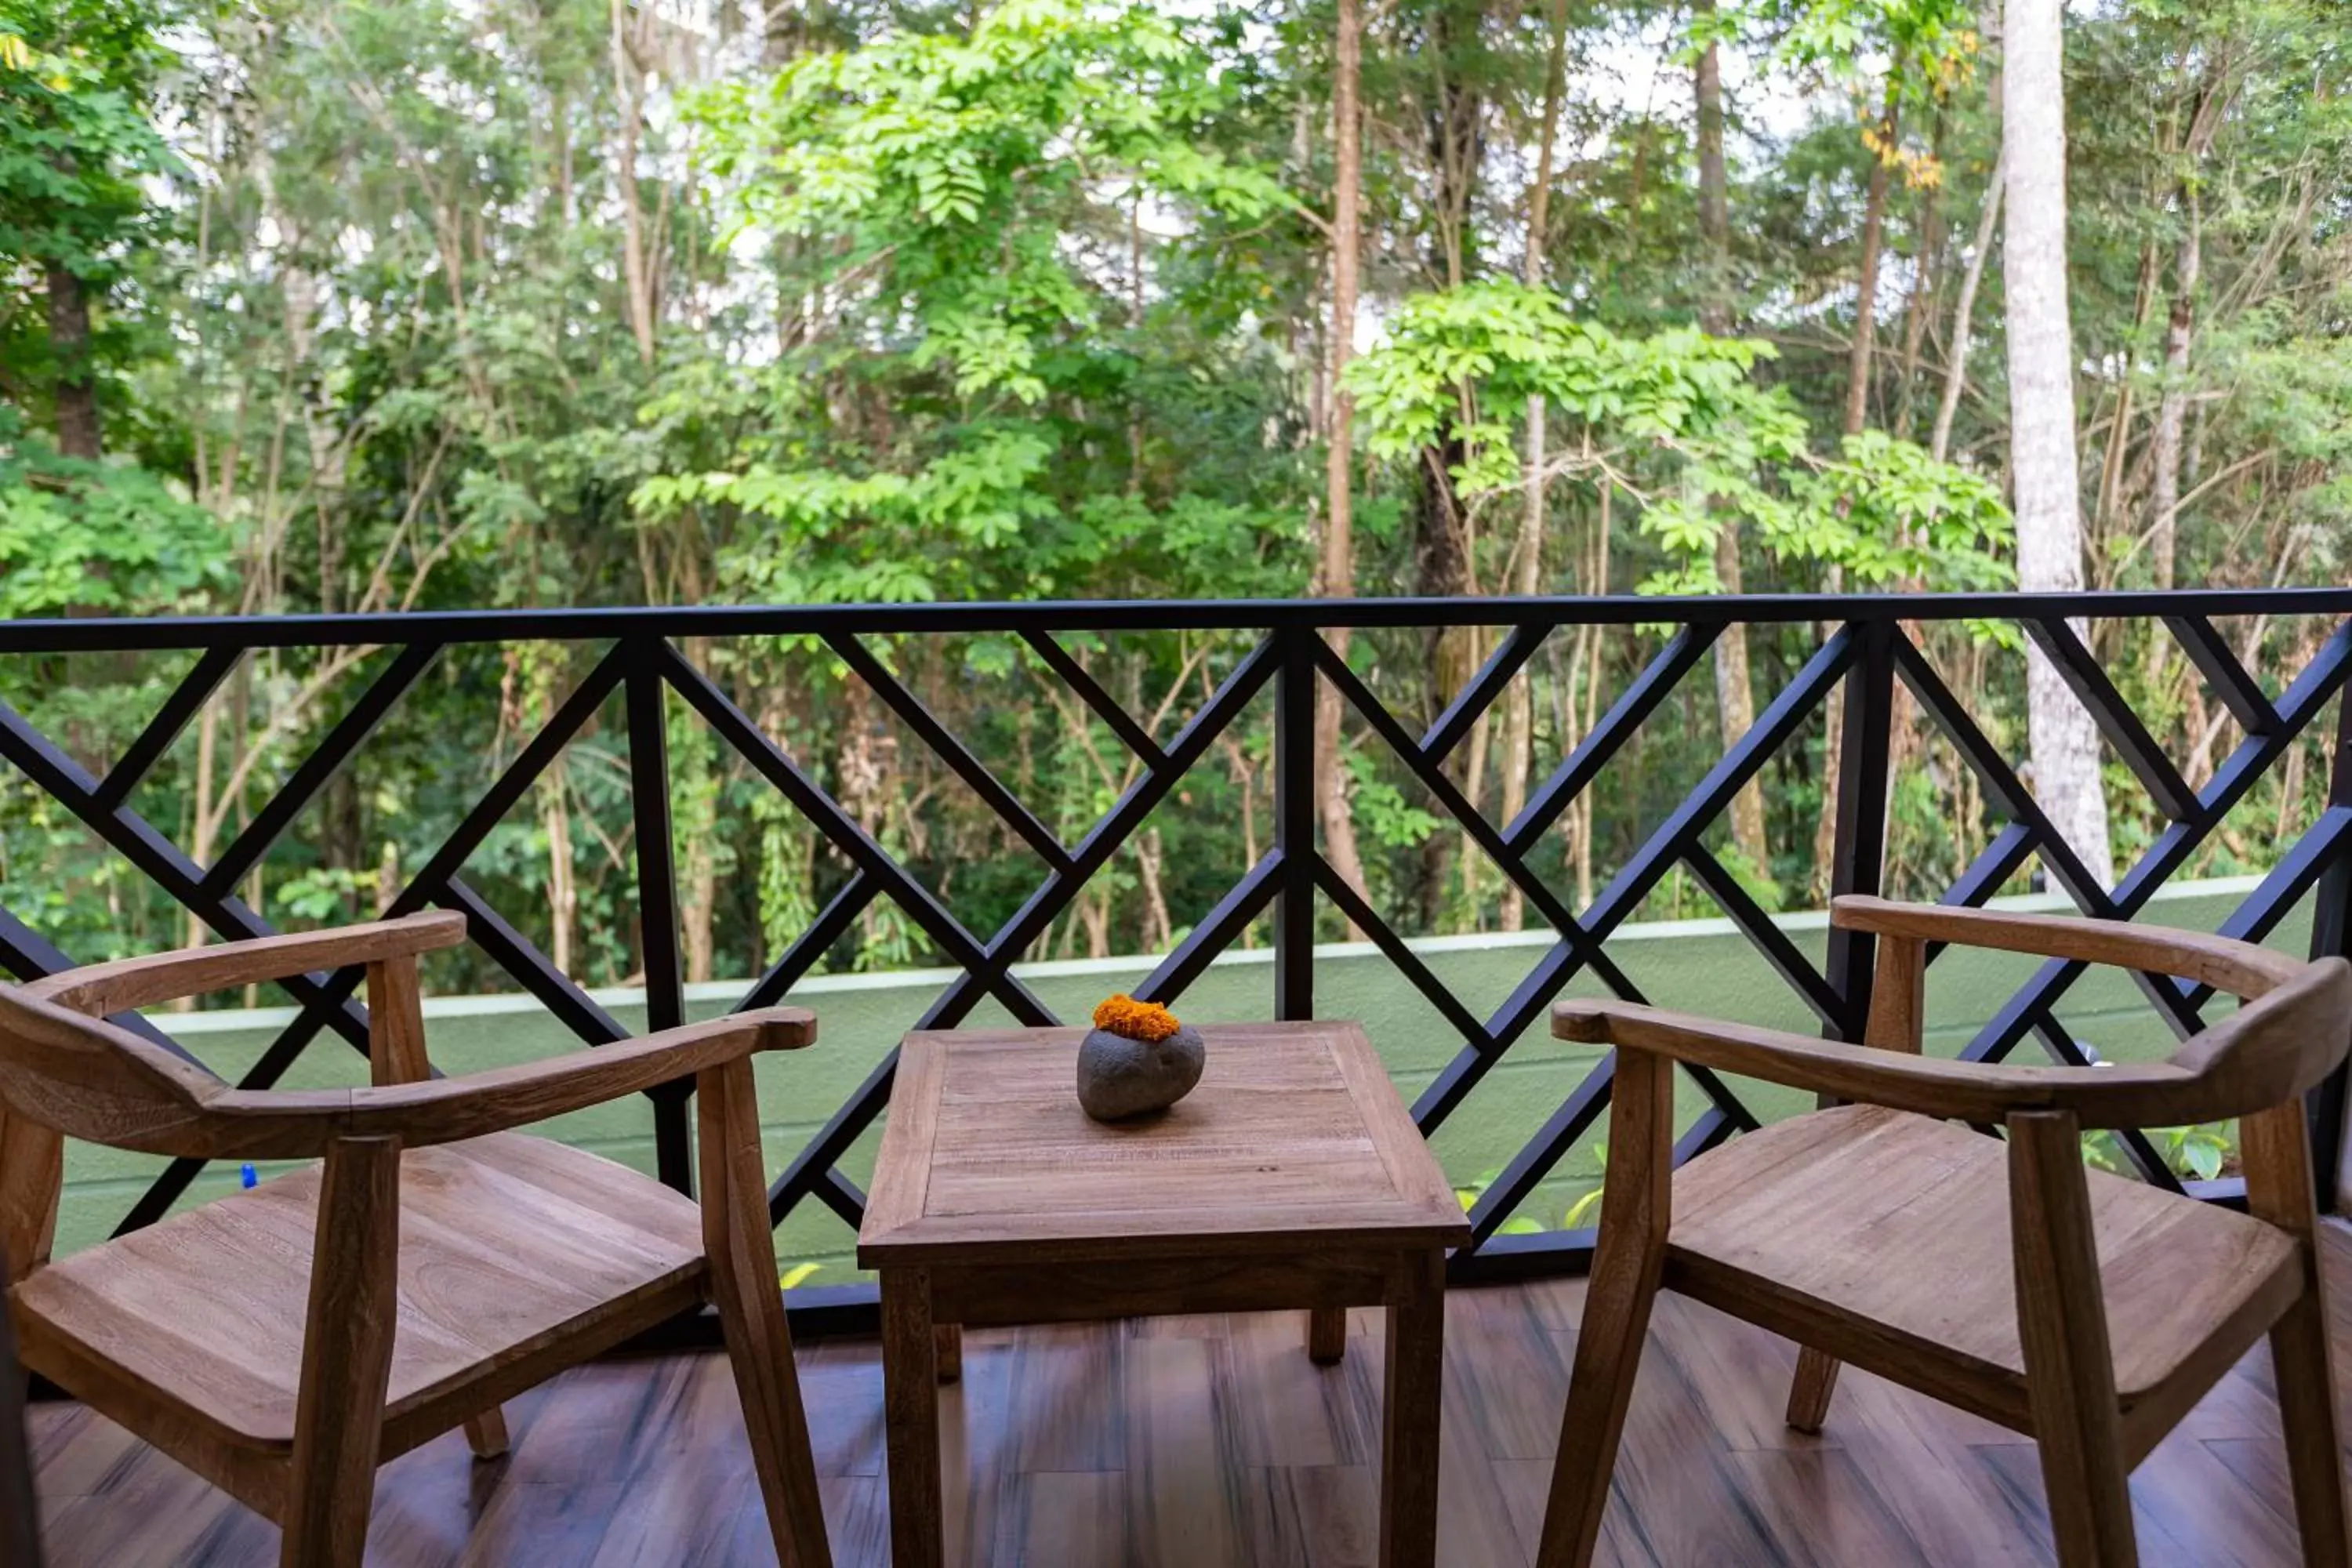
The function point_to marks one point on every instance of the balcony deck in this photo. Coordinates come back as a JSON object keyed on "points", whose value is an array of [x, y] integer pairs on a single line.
{"points": [[1204, 1442]]}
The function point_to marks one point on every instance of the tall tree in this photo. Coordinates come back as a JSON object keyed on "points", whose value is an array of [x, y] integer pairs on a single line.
{"points": [[2207, 105], [2063, 740], [1527, 550], [75, 144], [1336, 565], [1734, 693]]}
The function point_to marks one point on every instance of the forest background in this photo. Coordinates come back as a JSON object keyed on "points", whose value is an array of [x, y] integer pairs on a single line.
{"points": [[381, 305]]}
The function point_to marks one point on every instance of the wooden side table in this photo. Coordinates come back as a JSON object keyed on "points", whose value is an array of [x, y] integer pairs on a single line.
{"points": [[1291, 1177]]}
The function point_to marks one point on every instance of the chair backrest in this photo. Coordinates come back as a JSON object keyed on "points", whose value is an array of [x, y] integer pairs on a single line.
{"points": [[2295, 1027], [64, 1071], [87, 1079], [64, 1075], [2276, 1048]]}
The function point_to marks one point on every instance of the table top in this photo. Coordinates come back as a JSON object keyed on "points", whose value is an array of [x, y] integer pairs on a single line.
{"points": [[1294, 1136]]}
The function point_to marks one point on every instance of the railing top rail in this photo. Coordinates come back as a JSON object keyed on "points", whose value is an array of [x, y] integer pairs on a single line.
{"points": [[96, 633]]}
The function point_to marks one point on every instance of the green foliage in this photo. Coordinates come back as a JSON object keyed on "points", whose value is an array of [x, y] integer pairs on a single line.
{"points": [[2200, 1153], [1032, 299], [1676, 425], [82, 536], [75, 139]]}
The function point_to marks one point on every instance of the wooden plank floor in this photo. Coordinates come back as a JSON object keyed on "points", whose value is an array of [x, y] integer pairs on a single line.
{"points": [[1212, 1441]]}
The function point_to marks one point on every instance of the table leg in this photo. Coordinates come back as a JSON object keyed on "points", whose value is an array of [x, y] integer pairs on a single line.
{"points": [[1327, 1335], [910, 1403], [1416, 1365], [948, 1337]]}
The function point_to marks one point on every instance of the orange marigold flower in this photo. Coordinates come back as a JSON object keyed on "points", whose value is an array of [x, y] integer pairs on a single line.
{"points": [[1125, 1017]]}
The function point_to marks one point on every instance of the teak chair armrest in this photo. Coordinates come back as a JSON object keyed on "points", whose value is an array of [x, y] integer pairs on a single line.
{"points": [[442, 1110], [2212, 1078], [100, 989], [1973, 1091]]}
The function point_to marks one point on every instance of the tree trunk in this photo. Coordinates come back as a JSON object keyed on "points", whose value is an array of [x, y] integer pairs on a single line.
{"points": [[1919, 303], [562, 889], [628, 85], [77, 388], [2180, 333], [1443, 534], [2064, 741], [2172, 410], [1526, 553], [1857, 417], [1335, 574], [1956, 372], [1449, 656], [1735, 695], [1874, 241]]}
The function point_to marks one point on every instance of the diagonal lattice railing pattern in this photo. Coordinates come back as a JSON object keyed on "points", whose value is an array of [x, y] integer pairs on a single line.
{"points": [[1866, 651]]}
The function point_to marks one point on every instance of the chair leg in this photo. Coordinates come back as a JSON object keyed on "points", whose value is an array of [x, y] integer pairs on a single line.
{"points": [[2275, 1145], [1626, 1265], [2062, 1319], [744, 1286], [346, 1356], [1810, 1391], [1327, 1335], [2314, 1456], [486, 1434]]}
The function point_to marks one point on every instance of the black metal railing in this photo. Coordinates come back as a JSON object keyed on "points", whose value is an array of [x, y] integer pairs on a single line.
{"points": [[1868, 645]]}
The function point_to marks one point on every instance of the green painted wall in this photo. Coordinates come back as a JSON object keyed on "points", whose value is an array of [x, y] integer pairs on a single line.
{"points": [[1700, 966]]}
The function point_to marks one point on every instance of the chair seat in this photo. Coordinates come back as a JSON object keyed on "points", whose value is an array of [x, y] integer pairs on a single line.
{"points": [[1862, 1212], [509, 1245]]}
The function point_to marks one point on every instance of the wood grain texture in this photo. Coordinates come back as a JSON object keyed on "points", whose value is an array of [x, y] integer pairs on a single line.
{"points": [[2240, 969], [2267, 1052], [740, 1240], [32, 1174], [125, 984], [283, 1341], [19, 1523], [1891, 1229], [911, 1419], [90, 1079], [1898, 1021], [1626, 1268], [396, 1053], [2088, 1311], [1409, 1410], [346, 1354], [1292, 1177], [2295, 1029], [2069, 1362], [644, 1461], [510, 1245], [1293, 1134], [2276, 1153]]}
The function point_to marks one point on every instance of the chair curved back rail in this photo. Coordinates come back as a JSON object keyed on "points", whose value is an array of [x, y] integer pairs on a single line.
{"points": [[2294, 1029], [65, 1067]]}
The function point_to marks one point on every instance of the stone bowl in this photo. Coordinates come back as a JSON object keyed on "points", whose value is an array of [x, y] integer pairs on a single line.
{"points": [[1119, 1078]]}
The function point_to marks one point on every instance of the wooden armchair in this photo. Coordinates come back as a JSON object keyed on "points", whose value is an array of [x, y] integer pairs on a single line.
{"points": [[284, 1341], [2087, 1310]]}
